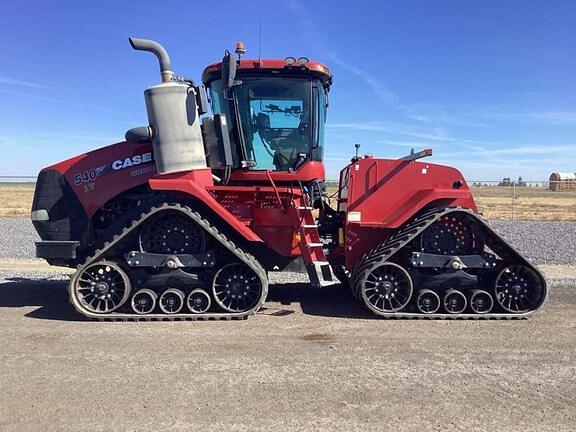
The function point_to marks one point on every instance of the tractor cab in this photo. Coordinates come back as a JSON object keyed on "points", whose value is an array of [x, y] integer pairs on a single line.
{"points": [[274, 110]]}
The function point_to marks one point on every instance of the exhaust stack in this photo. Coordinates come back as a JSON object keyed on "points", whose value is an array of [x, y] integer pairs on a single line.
{"points": [[159, 51], [173, 117]]}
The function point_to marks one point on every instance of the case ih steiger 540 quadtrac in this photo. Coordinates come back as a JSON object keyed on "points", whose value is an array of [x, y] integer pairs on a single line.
{"points": [[184, 219]]}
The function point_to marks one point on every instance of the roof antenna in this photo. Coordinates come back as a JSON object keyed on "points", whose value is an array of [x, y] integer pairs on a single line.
{"points": [[260, 39]]}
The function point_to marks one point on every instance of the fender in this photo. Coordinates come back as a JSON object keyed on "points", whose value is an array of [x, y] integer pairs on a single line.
{"points": [[385, 193], [194, 183]]}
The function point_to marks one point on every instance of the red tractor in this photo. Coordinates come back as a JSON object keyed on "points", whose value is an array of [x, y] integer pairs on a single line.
{"points": [[184, 218]]}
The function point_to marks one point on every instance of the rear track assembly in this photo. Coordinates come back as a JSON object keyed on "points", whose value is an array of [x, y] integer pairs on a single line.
{"points": [[436, 266]]}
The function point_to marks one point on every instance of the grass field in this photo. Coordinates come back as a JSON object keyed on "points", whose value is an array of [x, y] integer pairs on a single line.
{"points": [[16, 199], [532, 203]]}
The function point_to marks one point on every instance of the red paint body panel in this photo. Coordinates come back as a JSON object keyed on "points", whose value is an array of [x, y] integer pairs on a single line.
{"points": [[94, 191], [384, 193], [253, 211], [258, 208], [311, 170], [196, 184], [277, 230]]}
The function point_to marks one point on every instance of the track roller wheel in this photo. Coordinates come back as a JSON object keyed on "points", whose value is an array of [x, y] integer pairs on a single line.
{"points": [[236, 288], [386, 288], [144, 301], [481, 301], [101, 287], [171, 301], [427, 301], [518, 289], [198, 301], [454, 301]]}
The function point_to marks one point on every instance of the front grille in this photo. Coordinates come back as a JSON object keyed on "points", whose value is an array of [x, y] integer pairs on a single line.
{"points": [[67, 220]]}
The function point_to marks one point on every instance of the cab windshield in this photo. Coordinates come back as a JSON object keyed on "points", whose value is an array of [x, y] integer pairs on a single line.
{"points": [[279, 122]]}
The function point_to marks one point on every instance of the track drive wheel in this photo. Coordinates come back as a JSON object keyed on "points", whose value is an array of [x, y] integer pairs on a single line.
{"points": [[172, 233], [385, 288], [100, 288], [453, 234]]}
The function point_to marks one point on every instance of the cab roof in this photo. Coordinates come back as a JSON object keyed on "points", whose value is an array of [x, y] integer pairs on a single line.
{"points": [[271, 66]]}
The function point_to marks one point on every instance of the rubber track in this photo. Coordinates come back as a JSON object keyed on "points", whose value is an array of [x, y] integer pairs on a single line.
{"points": [[100, 253], [387, 249]]}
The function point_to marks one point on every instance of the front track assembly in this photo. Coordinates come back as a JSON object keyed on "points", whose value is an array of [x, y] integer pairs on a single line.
{"points": [[447, 263], [169, 263]]}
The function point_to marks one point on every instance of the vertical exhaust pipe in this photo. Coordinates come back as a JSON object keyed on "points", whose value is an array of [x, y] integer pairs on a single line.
{"points": [[159, 51], [173, 118]]}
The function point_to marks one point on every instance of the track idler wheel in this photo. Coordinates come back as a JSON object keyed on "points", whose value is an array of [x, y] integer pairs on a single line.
{"points": [[236, 288], [518, 289], [386, 288], [144, 301], [481, 301], [171, 301], [101, 287], [454, 301], [427, 301], [198, 301]]}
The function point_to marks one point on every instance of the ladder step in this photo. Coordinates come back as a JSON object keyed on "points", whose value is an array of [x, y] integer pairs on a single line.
{"points": [[314, 244], [310, 226], [319, 273]]}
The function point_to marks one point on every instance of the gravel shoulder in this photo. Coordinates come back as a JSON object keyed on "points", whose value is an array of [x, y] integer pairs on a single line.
{"points": [[541, 242]]}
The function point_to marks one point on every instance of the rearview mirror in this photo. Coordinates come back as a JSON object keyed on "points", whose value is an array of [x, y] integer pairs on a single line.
{"points": [[229, 72]]}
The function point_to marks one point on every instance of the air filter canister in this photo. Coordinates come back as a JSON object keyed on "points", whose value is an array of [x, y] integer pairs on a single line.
{"points": [[176, 138]]}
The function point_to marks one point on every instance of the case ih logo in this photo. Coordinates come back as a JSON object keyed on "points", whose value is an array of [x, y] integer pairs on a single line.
{"points": [[91, 174], [132, 161]]}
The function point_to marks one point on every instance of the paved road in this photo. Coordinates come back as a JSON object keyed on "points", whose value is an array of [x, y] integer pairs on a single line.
{"points": [[312, 360]]}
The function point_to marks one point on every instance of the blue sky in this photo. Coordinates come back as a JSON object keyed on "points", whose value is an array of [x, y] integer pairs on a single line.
{"points": [[489, 85]]}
